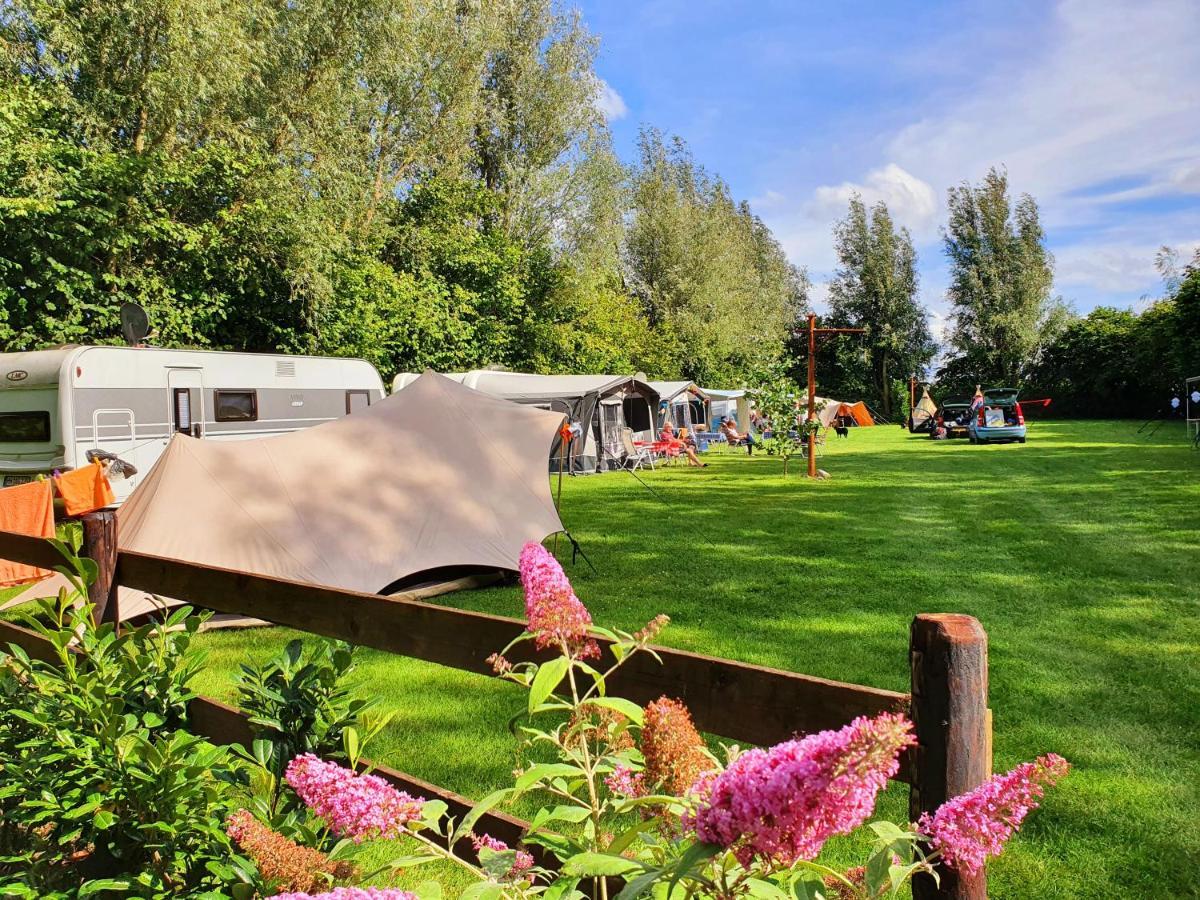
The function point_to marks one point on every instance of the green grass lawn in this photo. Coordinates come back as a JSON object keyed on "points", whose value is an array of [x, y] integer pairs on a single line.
{"points": [[1079, 552]]}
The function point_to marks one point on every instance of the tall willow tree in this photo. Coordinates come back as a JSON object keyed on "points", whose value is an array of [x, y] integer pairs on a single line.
{"points": [[1000, 279], [875, 287], [716, 286]]}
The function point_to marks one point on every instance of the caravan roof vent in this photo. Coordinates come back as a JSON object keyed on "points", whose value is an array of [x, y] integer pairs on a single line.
{"points": [[285, 368]]}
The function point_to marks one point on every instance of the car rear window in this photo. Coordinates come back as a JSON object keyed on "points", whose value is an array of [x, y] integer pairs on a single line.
{"points": [[31, 427]]}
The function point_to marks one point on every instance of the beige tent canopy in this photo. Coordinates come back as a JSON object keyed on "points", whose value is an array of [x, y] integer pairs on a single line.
{"points": [[425, 486]]}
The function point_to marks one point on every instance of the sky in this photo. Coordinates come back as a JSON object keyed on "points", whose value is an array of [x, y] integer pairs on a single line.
{"points": [[1093, 107]]}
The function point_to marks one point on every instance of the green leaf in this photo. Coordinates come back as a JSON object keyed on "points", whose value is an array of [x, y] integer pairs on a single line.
{"points": [[591, 865], [547, 679], [103, 884], [627, 708], [350, 742], [429, 890], [640, 886], [482, 890], [542, 771], [103, 819], [561, 813], [483, 806]]}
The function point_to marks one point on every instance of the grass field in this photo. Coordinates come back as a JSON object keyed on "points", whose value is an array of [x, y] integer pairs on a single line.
{"points": [[1079, 552]]}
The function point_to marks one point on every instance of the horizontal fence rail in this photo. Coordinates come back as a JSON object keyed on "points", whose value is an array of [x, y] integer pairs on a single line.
{"points": [[730, 699], [947, 656]]}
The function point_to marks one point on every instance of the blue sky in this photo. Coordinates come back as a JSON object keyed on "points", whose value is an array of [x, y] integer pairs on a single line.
{"points": [[1094, 107]]}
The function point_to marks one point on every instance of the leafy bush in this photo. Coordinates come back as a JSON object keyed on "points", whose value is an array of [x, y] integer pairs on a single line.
{"points": [[100, 790]]}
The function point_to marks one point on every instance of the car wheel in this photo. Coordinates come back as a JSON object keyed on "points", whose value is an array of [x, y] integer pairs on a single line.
{"points": [[1020, 440], [971, 438]]}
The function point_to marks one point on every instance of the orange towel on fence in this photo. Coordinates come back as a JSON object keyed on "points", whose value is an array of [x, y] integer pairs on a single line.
{"points": [[84, 490], [26, 509]]}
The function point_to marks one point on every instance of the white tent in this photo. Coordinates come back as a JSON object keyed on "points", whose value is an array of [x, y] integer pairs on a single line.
{"points": [[685, 404], [734, 404]]}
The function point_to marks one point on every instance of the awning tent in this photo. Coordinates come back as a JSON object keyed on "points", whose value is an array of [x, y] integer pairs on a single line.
{"points": [[600, 405], [685, 404], [734, 404], [849, 413], [421, 488]]}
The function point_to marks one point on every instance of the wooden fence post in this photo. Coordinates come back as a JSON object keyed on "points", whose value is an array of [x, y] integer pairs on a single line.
{"points": [[948, 654], [100, 545]]}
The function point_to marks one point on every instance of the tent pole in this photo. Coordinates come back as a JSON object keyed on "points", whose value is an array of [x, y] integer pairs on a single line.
{"points": [[564, 439]]}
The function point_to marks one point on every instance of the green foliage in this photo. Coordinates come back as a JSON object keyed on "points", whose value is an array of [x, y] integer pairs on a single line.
{"points": [[100, 790], [779, 399], [717, 287], [298, 703], [418, 183], [1000, 279]]}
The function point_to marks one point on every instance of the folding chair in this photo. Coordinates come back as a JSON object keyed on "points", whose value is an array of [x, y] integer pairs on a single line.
{"points": [[635, 456]]}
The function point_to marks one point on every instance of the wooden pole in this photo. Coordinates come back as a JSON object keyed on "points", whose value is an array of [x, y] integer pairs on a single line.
{"points": [[563, 440], [949, 708], [100, 546], [812, 395]]}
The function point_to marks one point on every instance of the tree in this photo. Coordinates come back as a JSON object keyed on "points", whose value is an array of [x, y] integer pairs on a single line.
{"points": [[715, 284], [875, 287], [1000, 279]]}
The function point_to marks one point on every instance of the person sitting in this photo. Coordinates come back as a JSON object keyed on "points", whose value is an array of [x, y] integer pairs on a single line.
{"points": [[735, 438], [687, 444], [667, 432]]}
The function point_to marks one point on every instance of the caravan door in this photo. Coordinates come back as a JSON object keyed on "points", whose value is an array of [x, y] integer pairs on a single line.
{"points": [[185, 390]]}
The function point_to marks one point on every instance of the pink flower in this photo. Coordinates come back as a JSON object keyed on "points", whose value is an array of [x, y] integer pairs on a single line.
{"points": [[355, 806], [624, 783], [351, 893], [522, 863], [782, 804], [556, 616], [973, 826]]}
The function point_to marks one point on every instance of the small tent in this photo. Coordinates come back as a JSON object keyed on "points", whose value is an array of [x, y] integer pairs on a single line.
{"points": [[732, 404], [601, 406], [847, 413], [421, 488], [683, 403], [923, 412]]}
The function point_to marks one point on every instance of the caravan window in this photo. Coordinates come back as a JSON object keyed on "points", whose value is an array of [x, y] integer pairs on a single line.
{"points": [[236, 406], [25, 427], [356, 400]]}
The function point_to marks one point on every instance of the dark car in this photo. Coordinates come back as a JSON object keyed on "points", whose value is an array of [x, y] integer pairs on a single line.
{"points": [[952, 415]]}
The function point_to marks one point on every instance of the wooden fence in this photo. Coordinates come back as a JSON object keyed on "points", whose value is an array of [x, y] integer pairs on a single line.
{"points": [[752, 704]]}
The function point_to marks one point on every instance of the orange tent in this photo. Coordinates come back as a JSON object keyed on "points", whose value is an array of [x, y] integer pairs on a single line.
{"points": [[836, 409]]}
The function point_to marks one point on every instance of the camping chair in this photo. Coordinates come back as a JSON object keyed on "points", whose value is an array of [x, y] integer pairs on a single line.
{"points": [[635, 456]]}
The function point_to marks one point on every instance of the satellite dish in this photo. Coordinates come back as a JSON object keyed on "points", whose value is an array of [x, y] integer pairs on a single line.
{"points": [[135, 324]]}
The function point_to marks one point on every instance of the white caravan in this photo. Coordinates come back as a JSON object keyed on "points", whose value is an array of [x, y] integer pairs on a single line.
{"points": [[56, 405]]}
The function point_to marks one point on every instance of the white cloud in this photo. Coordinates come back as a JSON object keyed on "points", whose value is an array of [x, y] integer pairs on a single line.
{"points": [[1110, 97], [609, 102], [911, 201]]}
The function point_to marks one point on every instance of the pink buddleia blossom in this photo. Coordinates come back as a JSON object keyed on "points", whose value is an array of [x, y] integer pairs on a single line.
{"points": [[623, 782], [355, 806], [351, 893], [974, 826], [556, 616], [781, 805], [522, 863]]}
